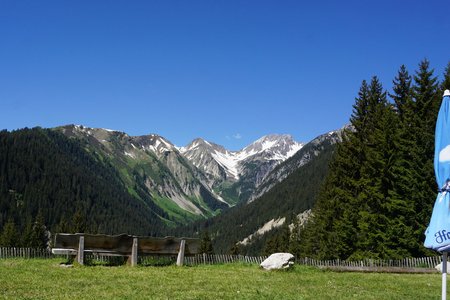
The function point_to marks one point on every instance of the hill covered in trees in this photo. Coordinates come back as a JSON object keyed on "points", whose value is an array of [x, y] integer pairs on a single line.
{"points": [[50, 180], [377, 198]]}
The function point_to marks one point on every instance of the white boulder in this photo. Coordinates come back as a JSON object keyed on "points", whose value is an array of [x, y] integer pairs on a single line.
{"points": [[278, 261]]}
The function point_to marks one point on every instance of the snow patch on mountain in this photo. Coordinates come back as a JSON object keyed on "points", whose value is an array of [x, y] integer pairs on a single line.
{"points": [[272, 147], [229, 161], [109, 130]]}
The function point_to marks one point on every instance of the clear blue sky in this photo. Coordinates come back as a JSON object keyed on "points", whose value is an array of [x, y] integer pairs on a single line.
{"points": [[227, 71]]}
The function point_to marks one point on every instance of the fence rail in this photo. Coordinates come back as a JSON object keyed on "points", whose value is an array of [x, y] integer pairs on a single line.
{"points": [[422, 262]]}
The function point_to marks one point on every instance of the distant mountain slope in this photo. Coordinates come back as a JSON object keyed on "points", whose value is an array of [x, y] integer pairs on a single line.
{"points": [[301, 157], [42, 170], [152, 167], [140, 185], [236, 174], [293, 188]]}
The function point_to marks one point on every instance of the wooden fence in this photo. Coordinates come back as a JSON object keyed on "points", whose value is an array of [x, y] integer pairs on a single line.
{"points": [[10, 252], [423, 262], [222, 259]]}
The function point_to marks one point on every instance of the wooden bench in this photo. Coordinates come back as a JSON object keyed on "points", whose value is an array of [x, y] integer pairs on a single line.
{"points": [[124, 245]]}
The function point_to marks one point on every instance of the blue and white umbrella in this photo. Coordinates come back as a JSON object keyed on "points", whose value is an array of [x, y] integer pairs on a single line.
{"points": [[438, 231]]}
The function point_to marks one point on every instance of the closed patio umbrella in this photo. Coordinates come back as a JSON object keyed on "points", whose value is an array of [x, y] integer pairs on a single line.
{"points": [[437, 235]]}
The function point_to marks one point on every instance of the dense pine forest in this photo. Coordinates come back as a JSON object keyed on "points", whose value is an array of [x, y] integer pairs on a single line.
{"points": [[377, 198], [50, 183]]}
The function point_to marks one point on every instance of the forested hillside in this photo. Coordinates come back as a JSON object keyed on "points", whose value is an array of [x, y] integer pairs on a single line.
{"points": [[46, 177], [295, 194], [377, 199]]}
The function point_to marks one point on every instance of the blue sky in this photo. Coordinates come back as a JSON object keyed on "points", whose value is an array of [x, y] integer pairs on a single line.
{"points": [[226, 71]]}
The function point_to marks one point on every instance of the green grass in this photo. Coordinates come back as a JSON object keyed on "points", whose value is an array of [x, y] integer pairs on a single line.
{"points": [[45, 279]]}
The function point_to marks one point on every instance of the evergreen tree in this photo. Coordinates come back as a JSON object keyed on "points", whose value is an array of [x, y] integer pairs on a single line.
{"points": [[401, 213], [206, 244], [402, 92], [234, 250], [376, 178], [294, 238], [271, 246], [9, 236], [445, 85], [423, 187], [331, 231], [78, 222], [284, 238], [27, 235], [63, 226], [39, 236], [356, 214]]}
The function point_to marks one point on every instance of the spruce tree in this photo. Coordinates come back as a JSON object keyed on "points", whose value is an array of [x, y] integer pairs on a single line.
{"points": [[63, 226], [39, 236], [331, 231], [235, 249], [9, 236], [445, 84], [402, 92], [27, 235], [401, 213], [423, 188], [78, 222], [294, 237], [375, 176], [206, 244]]}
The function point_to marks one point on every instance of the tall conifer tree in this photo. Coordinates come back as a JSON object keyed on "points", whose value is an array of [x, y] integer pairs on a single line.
{"points": [[332, 230], [426, 103], [401, 232], [376, 175], [9, 236]]}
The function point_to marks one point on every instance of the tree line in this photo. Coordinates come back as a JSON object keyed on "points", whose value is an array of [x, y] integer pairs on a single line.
{"points": [[377, 197]]}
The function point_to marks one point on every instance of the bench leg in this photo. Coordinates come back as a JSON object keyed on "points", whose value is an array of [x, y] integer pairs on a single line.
{"points": [[80, 255], [134, 253], [180, 258]]}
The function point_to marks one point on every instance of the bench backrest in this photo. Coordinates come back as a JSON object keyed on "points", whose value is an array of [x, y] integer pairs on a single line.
{"points": [[123, 243]]}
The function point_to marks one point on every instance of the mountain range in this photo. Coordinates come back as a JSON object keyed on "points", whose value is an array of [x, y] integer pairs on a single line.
{"points": [[116, 183], [287, 191], [196, 181]]}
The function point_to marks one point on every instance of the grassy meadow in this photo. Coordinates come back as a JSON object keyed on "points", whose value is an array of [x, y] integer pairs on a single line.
{"points": [[46, 279]]}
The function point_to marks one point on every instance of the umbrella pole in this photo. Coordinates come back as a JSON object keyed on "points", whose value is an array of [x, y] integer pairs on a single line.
{"points": [[444, 275]]}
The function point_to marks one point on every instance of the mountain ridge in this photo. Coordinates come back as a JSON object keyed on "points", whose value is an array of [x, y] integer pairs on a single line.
{"points": [[200, 179], [291, 189]]}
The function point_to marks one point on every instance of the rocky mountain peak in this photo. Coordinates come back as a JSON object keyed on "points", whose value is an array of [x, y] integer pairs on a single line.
{"points": [[153, 142], [273, 146]]}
